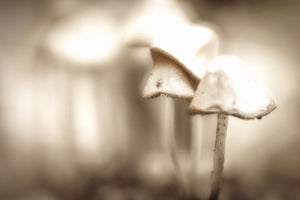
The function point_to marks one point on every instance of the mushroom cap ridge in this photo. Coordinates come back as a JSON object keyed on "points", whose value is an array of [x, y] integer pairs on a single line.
{"points": [[157, 52], [169, 77]]}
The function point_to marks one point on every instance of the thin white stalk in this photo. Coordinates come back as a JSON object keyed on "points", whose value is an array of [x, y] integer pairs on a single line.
{"points": [[219, 155], [196, 143], [85, 127], [169, 139]]}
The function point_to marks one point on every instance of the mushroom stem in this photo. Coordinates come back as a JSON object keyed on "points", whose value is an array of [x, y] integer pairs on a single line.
{"points": [[196, 143], [170, 141], [219, 154]]}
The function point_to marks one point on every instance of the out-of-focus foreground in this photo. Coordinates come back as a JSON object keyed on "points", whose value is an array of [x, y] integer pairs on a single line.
{"points": [[73, 124]]}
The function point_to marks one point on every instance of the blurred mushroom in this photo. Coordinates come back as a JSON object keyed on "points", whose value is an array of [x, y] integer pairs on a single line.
{"points": [[147, 20], [228, 88], [87, 38], [180, 60], [151, 17], [82, 46]]}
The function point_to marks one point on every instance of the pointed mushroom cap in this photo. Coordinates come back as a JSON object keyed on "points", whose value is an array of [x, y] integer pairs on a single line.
{"points": [[168, 77], [227, 87], [193, 46]]}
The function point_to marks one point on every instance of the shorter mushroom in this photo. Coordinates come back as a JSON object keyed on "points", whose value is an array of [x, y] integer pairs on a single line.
{"points": [[228, 88]]}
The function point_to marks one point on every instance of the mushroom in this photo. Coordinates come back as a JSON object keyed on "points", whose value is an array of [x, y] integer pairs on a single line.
{"points": [[149, 18], [180, 60], [170, 78], [87, 38], [227, 88]]}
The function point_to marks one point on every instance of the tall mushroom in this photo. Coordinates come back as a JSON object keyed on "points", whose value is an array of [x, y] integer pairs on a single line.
{"points": [[180, 60], [169, 77], [228, 88]]}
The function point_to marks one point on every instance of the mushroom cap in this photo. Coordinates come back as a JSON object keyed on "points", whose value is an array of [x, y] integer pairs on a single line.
{"points": [[88, 38], [193, 46], [228, 87], [151, 17], [168, 77]]}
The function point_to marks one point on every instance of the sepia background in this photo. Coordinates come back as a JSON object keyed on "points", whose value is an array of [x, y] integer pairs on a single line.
{"points": [[73, 124]]}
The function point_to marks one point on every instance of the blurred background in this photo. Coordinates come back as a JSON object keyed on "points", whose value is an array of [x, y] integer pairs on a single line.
{"points": [[73, 124]]}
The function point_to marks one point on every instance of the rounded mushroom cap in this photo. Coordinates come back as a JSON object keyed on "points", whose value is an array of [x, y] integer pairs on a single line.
{"points": [[88, 38], [227, 87], [193, 46], [168, 77], [151, 17]]}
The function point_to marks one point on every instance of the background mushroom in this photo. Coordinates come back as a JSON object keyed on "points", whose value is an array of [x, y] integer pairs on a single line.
{"points": [[149, 18], [228, 88], [82, 47]]}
